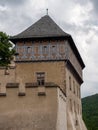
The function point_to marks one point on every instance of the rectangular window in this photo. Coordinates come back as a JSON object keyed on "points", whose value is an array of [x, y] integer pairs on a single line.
{"points": [[74, 107], [70, 83], [79, 93], [40, 78], [70, 104], [74, 87]]}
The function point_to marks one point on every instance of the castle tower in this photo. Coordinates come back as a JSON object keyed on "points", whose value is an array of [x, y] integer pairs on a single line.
{"points": [[43, 88]]}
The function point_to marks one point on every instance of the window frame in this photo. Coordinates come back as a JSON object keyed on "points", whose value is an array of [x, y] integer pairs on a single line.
{"points": [[40, 77]]}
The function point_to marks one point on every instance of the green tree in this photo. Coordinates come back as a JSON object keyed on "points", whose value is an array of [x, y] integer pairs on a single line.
{"points": [[6, 50], [90, 111]]}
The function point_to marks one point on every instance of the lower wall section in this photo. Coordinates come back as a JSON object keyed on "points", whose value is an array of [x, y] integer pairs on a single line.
{"points": [[40, 109], [25, 120], [75, 123], [61, 113], [30, 112]]}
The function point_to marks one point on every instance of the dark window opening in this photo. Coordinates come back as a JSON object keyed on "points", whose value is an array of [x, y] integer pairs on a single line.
{"points": [[74, 86], [40, 78], [45, 49], [76, 123], [70, 83], [28, 49], [53, 49]]}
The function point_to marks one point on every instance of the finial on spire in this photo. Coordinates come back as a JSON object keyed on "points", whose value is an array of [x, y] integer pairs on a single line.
{"points": [[47, 11]]}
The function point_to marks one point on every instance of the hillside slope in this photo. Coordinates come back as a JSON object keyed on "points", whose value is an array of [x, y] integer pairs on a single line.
{"points": [[90, 111]]}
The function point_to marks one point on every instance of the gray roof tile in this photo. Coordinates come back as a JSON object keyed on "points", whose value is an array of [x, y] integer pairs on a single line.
{"points": [[45, 27]]}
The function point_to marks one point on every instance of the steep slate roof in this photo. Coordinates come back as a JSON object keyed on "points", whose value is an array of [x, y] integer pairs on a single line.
{"points": [[45, 27]]}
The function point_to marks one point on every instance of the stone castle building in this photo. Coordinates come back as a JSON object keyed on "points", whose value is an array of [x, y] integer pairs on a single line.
{"points": [[41, 89]]}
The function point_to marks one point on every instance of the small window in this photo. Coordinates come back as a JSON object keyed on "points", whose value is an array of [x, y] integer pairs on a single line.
{"points": [[79, 93], [40, 78], [70, 104], [45, 49], [74, 86], [53, 49], [74, 107], [28, 49], [70, 83], [76, 123], [78, 109]]}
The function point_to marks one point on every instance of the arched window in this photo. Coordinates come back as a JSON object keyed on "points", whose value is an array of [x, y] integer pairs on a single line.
{"points": [[53, 49], [28, 49], [45, 49]]}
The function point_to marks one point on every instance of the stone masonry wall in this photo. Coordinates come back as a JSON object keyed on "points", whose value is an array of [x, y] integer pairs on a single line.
{"points": [[29, 112]]}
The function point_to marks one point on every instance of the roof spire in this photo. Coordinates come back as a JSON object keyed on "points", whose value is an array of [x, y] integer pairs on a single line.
{"points": [[47, 11]]}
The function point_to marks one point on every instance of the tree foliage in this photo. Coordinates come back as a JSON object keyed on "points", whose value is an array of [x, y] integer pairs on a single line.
{"points": [[90, 111], [6, 50]]}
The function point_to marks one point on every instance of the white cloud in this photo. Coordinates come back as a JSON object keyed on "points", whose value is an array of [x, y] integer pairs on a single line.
{"points": [[80, 13], [2, 8]]}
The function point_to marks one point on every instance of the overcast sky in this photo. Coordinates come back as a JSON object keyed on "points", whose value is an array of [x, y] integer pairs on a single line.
{"points": [[76, 17]]}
